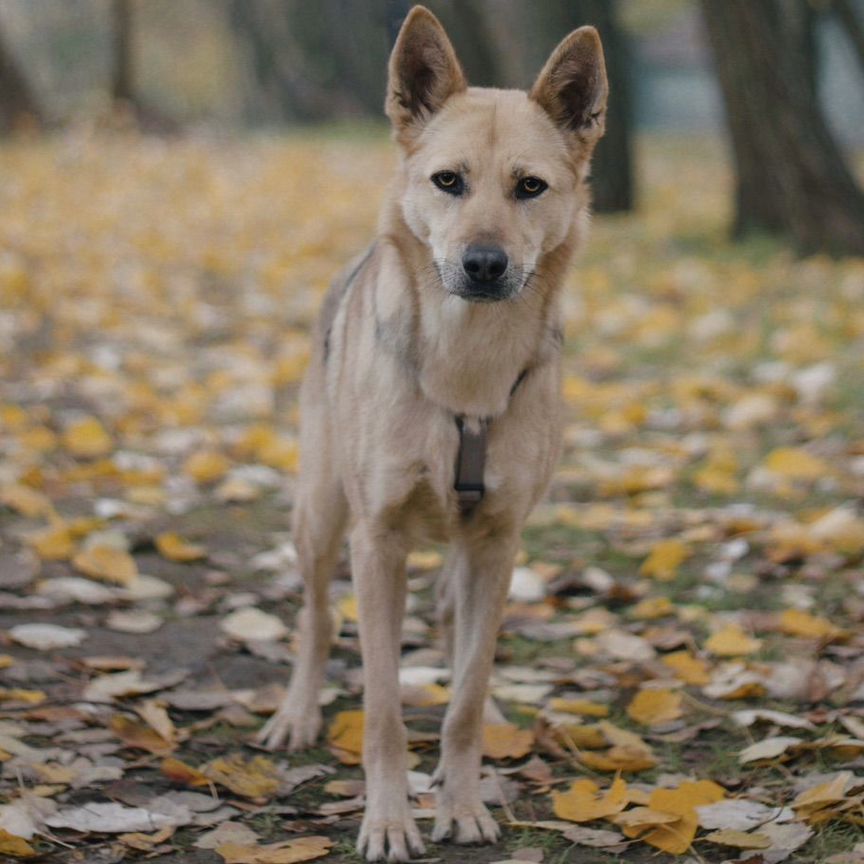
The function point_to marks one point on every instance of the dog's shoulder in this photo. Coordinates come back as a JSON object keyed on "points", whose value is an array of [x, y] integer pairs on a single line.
{"points": [[339, 288]]}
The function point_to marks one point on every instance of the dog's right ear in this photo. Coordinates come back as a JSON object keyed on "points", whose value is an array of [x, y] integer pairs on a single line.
{"points": [[423, 73]]}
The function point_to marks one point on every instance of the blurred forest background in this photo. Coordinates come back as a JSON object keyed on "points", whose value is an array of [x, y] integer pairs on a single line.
{"points": [[180, 180], [790, 74]]}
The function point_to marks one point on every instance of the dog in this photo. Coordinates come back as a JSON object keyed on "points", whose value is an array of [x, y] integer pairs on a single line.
{"points": [[430, 408]]}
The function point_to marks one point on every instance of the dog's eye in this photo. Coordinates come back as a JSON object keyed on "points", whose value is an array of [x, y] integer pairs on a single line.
{"points": [[449, 181], [530, 187]]}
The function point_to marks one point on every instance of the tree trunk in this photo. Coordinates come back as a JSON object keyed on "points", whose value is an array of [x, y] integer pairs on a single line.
{"points": [[122, 83], [19, 107], [852, 25], [791, 177], [544, 25], [612, 166]]}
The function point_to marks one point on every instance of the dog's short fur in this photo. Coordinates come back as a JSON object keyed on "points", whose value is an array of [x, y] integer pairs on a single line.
{"points": [[408, 340]]}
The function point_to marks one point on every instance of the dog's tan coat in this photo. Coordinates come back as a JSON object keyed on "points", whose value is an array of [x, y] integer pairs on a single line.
{"points": [[397, 356]]}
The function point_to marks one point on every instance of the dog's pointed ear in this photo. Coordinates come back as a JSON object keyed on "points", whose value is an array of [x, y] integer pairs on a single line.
{"points": [[423, 71], [572, 87]]}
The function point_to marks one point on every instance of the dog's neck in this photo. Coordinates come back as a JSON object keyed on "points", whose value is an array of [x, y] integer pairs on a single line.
{"points": [[468, 356]]}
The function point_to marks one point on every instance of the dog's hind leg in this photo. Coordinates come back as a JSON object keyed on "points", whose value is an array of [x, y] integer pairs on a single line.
{"points": [[378, 557], [320, 516], [480, 583]]}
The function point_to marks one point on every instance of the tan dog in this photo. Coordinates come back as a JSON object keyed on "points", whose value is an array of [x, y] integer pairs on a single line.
{"points": [[441, 344]]}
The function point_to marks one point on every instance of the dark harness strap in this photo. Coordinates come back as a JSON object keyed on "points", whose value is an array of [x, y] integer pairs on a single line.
{"points": [[471, 459], [470, 465]]}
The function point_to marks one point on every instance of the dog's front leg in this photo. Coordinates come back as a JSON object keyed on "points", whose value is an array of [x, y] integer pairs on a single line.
{"points": [[388, 831], [481, 577]]}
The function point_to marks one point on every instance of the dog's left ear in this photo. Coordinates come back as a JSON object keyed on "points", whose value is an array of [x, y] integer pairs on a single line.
{"points": [[572, 86], [423, 72]]}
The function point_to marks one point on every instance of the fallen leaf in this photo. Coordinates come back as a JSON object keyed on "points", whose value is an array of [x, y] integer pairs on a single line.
{"points": [[302, 849], [26, 501], [687, 668], [16, 847], [107, 564], [732, 641], [114, 818], [346, 736], [87, 439], [794, 622], [506, 741], [46, 637], [796, 464], [739, 839], [175, 548], [655, 707], [664, 560], [256, 778], [767, 749], [206, 466], [250, 624], [584, 802]]}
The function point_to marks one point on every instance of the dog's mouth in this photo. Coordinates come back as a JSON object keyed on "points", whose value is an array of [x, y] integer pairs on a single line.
{"points": [[457, 283], [485, 292]]}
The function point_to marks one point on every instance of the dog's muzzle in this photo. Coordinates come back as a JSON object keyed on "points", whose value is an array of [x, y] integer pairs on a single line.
{"points": [[484, 277]]}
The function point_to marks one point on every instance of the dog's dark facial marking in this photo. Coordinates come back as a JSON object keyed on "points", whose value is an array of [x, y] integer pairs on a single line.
{"points": [[449, 182], [530, 187]]}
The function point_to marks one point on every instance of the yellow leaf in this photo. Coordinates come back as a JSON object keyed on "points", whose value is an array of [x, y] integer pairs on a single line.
{"points": [[642, 818], [732, 641], [424, 560], [16, 847], [794, 622], [583, 801], [620, 758], [651, 608], [139, 736], [665, 559], [206, 466], [796, 464], [348, 608], [6, 661], [28, 697], [655, 707], [290, 852], [579, 736], [687, 668], [346, 736], [107, 564], [506, 741], [54, 544], [175, 548], [584, 707], [180, 772], [676, 837], [256, 778], [26, 501], [819, 797], [282, 454], [87, 439]]}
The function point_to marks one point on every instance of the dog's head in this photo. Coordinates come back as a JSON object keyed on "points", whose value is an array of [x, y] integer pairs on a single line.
{"points": [[492, 179]]}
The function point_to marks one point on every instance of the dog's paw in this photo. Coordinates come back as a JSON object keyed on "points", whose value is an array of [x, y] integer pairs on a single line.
{"points": [[464, 823], [301, 730], [395, 839]]}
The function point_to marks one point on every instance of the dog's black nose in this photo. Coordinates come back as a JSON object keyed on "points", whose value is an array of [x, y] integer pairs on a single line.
{"points": [[484, 263]]}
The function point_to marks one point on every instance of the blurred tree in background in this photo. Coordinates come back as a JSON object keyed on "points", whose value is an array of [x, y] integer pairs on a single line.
{"points": [[266, 63], [791, 175], [18, 104]]}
